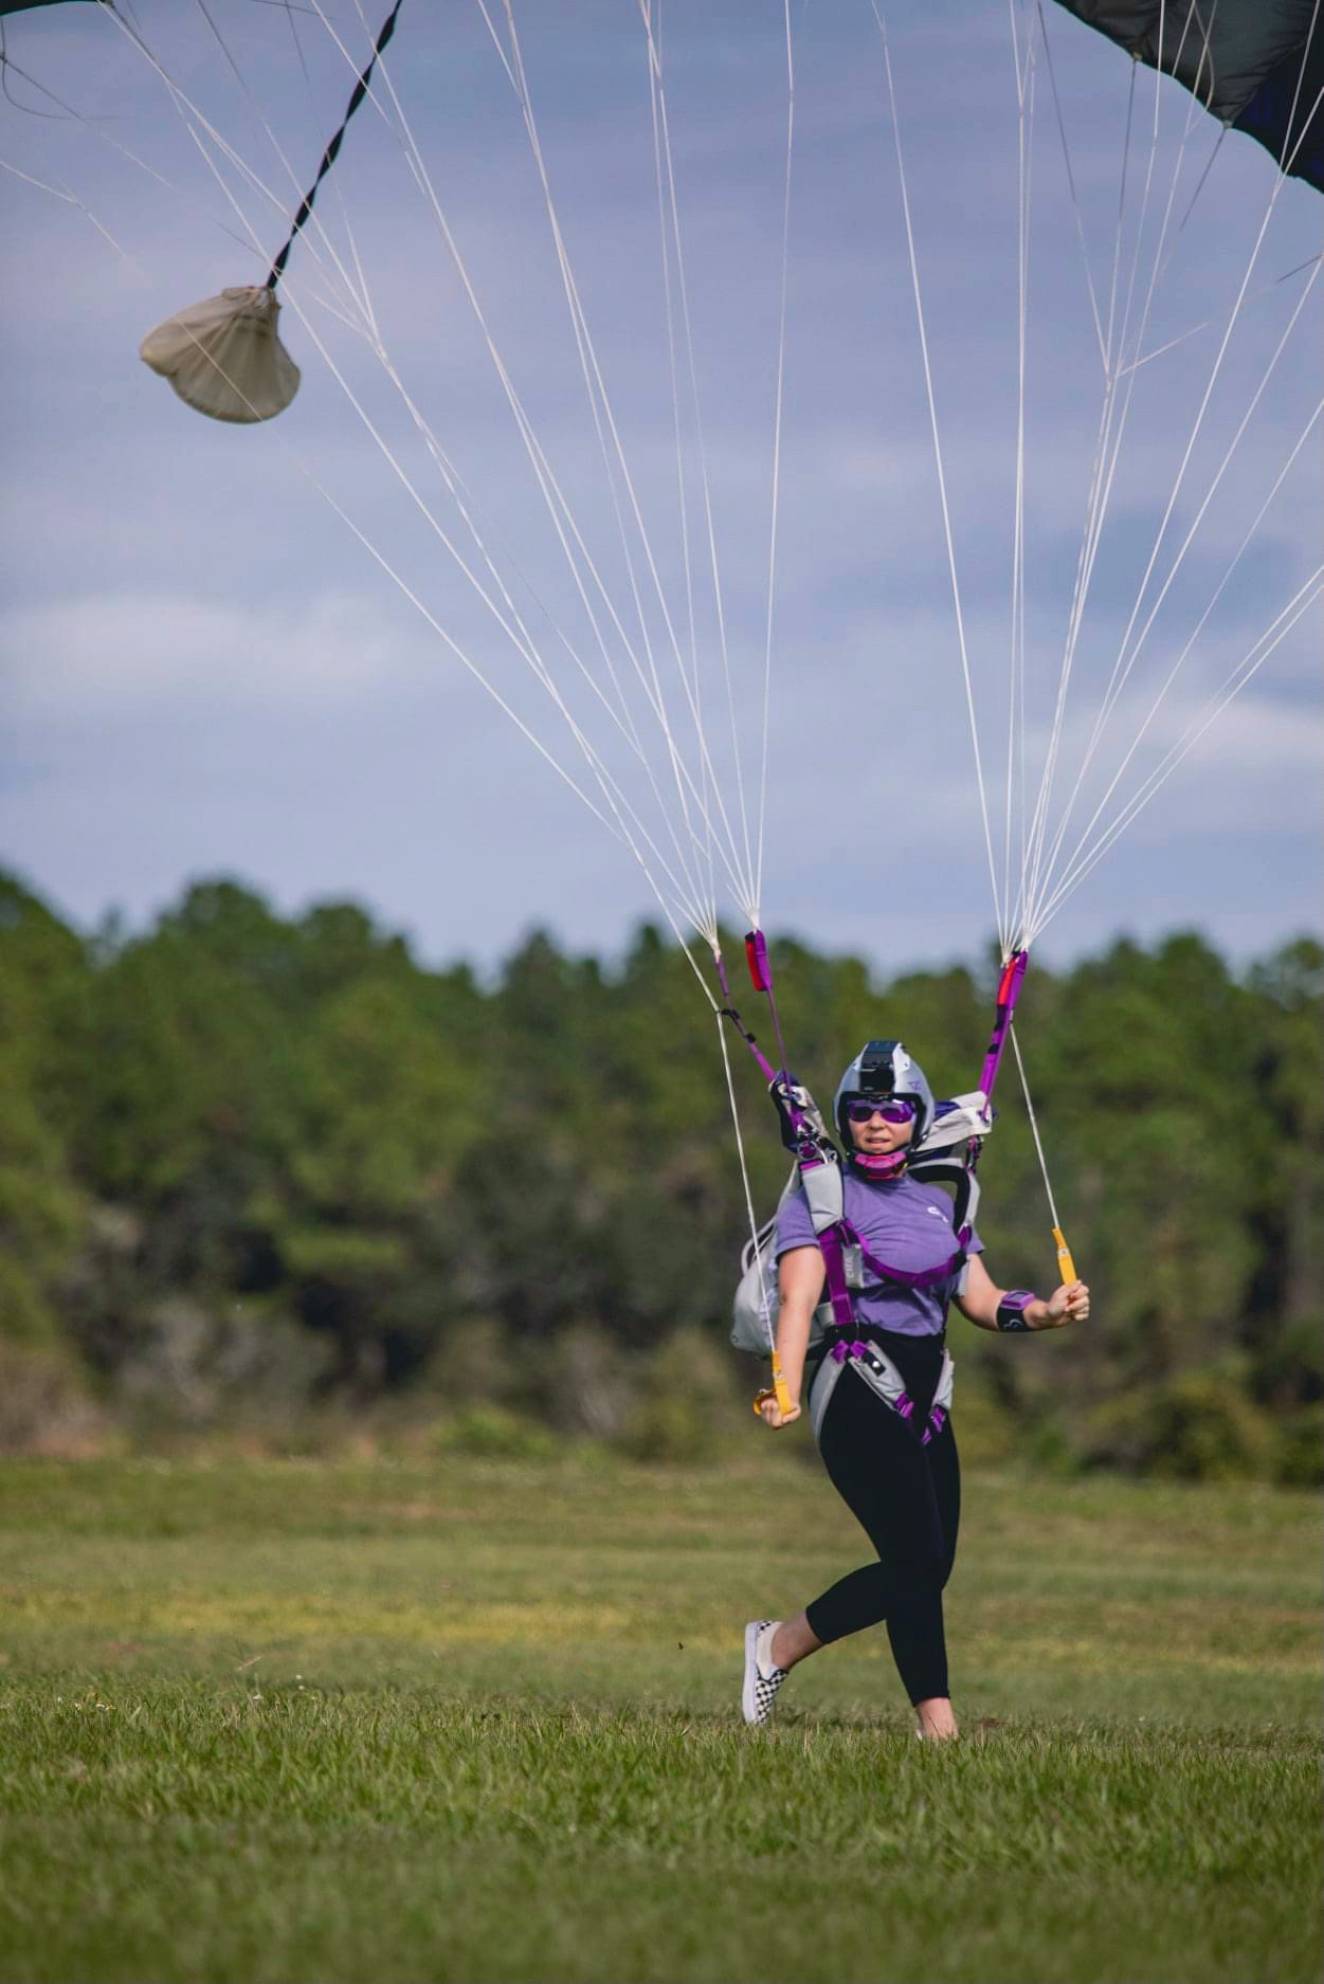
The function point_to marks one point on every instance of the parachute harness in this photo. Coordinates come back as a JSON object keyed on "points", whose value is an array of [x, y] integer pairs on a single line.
{"points": [[845, 1258]]}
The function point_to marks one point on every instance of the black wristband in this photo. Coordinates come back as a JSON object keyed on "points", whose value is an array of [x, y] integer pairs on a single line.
{"points": [[1012, 1307]]}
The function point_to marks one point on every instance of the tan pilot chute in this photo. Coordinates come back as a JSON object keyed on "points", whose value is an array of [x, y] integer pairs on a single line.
{"points": [[223, 356]]}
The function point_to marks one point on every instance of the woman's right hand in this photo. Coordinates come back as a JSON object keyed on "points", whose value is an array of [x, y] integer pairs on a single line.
{"points": [[771, 1413]]}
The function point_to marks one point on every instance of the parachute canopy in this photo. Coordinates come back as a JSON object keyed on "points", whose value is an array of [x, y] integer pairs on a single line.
{"points": [[1258, 65]]}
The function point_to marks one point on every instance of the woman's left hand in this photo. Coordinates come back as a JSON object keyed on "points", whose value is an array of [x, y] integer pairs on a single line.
{"points": [[1068, 1304]]}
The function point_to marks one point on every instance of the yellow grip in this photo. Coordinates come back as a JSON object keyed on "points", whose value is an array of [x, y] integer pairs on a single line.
{"points": [[778, 1391], [779, 1387], [1066, 1266]]}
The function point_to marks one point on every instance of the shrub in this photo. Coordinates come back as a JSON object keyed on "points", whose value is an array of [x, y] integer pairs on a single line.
{"points": [[985, 1431], [490, 1432], [589, 1383], [686, 1401], [1201, 1426], [1299, 1452], [475, 1364], [45, 1408]]}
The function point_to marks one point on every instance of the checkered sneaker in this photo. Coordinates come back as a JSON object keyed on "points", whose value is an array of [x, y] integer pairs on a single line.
{"points": [[762, 1679]]}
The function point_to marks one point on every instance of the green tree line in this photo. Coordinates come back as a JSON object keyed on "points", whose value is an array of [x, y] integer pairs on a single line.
{"points": [[253, 1166]]}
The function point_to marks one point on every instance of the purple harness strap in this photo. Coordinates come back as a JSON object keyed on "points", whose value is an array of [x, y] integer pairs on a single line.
{"points": [[830, 1246], [904, 1407], [907, 1277]]}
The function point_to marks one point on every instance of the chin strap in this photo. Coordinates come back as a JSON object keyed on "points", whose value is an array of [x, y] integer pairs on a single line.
{"points": [[887, 1165]]}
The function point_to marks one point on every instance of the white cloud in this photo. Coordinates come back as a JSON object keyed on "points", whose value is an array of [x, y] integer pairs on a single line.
{"points": [[78, 662]]}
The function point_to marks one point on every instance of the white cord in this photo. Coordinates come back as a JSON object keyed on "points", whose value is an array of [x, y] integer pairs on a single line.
{"points": [[1034, 1125], [942, 483]]}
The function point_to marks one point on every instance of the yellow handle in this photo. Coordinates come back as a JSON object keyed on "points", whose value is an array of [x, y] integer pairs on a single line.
{"points": [[1066, 1266], [779, 1387], [779, 1392]]}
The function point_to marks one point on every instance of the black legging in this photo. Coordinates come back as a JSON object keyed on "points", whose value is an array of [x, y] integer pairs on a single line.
{"points": [[908, 1498]]}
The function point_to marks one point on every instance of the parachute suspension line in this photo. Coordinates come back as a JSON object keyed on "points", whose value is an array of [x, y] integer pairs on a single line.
{"points": [[1025, 79], [560, 513], [1203, 180], [1081, 850], [524, 646], [1247, 539], [1071, 186], [524, 642], [673, 254], [1283, 160], [1066, 1266], [1122, 665], [618, 806], [559, 510], [599, 398], [341, 207], [746, 1187], [1115, 688], [659, 97], [1003, 933], [1207, 323], [360, 90], [599, 403], [1121, 216], [1095, 508], [357, 297], [1301, 602], [195, 122], [599, 409], [775, 503], [704, 920], [69, 199], [1112, 428], [677, 423], [63, 111]]}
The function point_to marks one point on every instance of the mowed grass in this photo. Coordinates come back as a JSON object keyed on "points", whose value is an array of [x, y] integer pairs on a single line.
{"points": [[478, 1720]]}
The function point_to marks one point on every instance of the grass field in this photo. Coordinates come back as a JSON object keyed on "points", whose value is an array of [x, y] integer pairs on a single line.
{"points": [[316, 1721]]}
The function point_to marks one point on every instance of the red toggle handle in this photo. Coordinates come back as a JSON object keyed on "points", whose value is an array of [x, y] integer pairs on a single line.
{"points": [[1009, 987], [756, 957], [1012, 973]]}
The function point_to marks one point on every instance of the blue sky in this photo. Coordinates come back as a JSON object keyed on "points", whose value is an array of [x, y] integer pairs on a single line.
{"points": [[205, 671]]}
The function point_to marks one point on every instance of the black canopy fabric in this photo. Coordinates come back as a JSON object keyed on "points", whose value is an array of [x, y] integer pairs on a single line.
{"points": [[1258, 65]]}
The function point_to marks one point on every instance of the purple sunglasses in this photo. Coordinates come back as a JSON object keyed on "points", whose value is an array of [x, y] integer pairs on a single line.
{"points": [[863, 1110]]}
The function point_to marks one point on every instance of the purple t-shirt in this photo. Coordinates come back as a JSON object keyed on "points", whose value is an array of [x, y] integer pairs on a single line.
{"points": [[903, 1224]]}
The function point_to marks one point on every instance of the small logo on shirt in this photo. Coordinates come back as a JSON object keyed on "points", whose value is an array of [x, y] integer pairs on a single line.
{"points": [[934, 1211]]}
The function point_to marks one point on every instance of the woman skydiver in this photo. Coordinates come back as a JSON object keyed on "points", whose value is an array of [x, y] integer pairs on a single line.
{"points": [[878, 1390]]}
